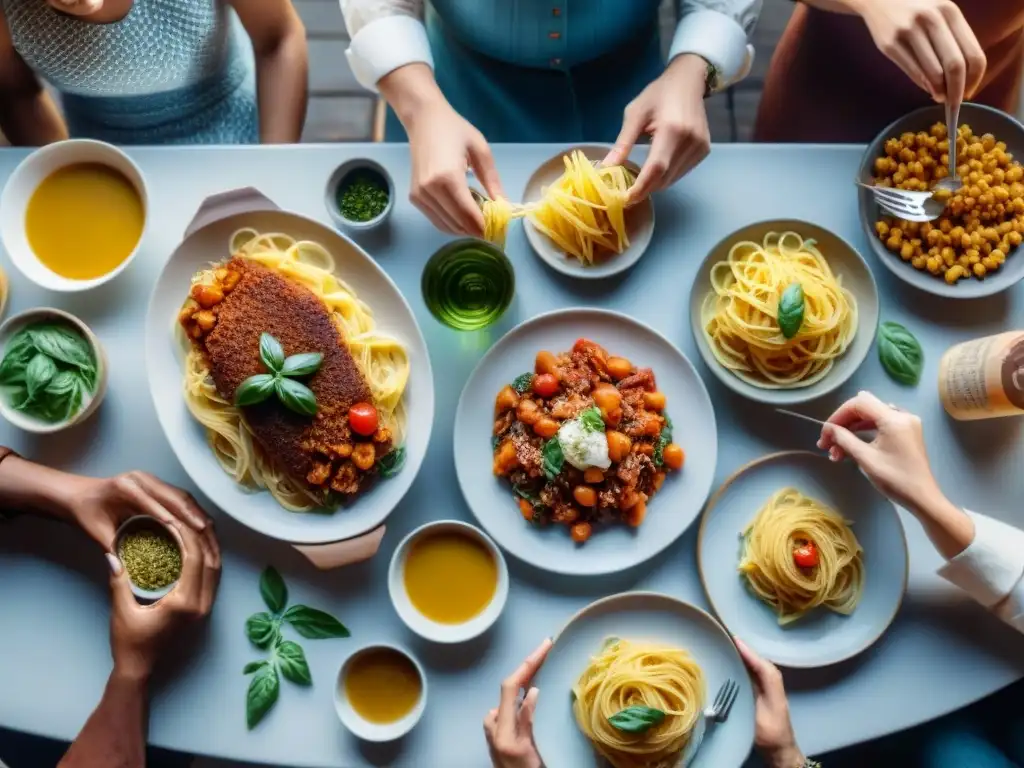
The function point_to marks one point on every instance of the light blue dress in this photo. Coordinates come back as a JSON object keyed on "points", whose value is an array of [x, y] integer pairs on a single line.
{"points": [[169, 72], [521, 72]]}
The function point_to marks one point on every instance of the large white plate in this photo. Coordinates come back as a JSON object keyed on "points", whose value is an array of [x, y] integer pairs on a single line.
{"points": [[207, 242], [617, 547], [651, 617], [821, 637]]}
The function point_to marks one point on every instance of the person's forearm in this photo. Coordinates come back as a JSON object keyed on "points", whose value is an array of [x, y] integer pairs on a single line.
{"points": [[29, 487], [789, 757], [114, 736], [282, 74], [949, 527], [31, 119], [409, 89]]}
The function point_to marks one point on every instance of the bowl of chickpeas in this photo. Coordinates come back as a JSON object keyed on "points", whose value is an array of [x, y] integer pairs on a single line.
{"points": [[973, 248]]}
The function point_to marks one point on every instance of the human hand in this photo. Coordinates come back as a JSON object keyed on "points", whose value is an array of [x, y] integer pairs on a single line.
{"points": [[671, 110], [138, 633], [930, 41], [443, 145], [509, 728], [100, 505], [77, 7], [896, 461], [773, 730]]}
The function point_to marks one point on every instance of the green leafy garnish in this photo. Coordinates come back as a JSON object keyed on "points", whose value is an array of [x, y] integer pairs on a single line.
{"points": [[591, 420], [900, 353], [313, 623], [295, 395], [637, 719], [495, 441], [286, 659], [522, 382], [553, 459], [790, 314], [362, 197], [663, 439], [262, 695], [391, 464], [526, 493], [47, 371]]}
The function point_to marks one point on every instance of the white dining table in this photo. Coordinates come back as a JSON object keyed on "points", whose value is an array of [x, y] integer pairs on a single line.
{"points": [[941, 653]]}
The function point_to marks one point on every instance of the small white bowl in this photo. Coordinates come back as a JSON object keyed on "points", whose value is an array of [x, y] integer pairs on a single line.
{"points": [[341, 173], [433, 630], [29, 174], [48, 314], [377, 732], [129, 525]]}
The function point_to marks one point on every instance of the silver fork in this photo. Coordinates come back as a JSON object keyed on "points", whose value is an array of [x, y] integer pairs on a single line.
{"points": [[717, 712]]}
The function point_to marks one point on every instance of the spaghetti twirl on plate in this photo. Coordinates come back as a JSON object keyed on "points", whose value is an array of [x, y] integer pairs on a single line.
{"points": [[583, 440], [275, 285]]}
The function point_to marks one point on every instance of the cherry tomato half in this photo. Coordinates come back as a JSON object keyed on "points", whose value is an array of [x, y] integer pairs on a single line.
{"points": [[806, 555], [545, 385], [363, 419]]}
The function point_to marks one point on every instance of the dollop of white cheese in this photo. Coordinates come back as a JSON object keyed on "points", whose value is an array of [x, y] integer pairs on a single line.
{"points": [[582, 447]]}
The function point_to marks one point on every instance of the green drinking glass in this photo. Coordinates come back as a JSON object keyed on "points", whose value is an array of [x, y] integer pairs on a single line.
{"points": [[468, 284]]}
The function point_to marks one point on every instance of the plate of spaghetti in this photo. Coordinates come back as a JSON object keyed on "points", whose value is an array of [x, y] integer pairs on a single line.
{"points": [[575, 215], [288, 372], [626, 682], [564, 445], [784, 311], [803, 559]]}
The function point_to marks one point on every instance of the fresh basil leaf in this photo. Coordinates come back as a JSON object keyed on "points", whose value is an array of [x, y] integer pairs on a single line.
{"points": [[553, 458], [63, 384], [637, 719], [291, 660], [522, 382], [302, 365], [262, 695], [663, 439], [391, 464], [12, 370], [254, 666], [314, 624], [790, 313], [525, 493], [38, 373], [900, 353], [591, 420], [262, 630], [273, 589], [17, 396], [255, 389], [296, 396], [62, 344], [271, 352], [668, 423]]}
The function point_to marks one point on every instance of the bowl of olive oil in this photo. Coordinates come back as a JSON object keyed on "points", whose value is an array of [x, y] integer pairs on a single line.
{"points": [[468, 284]]}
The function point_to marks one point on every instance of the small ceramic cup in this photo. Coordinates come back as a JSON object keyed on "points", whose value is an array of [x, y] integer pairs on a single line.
{"points": [[20, 187], [433, 630], [138, 523], [363, 728], [43, 315], [342, 174]]}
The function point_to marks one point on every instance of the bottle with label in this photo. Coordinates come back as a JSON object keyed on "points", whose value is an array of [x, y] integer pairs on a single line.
{"points": [[984, 379]]}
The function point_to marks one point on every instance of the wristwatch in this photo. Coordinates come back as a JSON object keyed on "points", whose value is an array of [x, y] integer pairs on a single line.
{"points": [[4, 453], [711, 78]]}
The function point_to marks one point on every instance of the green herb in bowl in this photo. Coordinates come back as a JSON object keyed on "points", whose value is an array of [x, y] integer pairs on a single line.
{"points": [[49, 371], [362, 196], [151, 557]]}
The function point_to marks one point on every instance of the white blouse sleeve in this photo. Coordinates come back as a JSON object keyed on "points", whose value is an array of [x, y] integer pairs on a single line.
{"points": [[991, 569], [718, 31], [386, 35]]}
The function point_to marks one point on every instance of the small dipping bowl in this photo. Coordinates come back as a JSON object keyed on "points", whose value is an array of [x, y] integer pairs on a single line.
{"points": [[428, 628], [140, 523], [49, 315], [359, 725], [345, 174], [22, 184], [468, 284]]}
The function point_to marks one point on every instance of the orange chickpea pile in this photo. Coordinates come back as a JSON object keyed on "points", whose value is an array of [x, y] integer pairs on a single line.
{"points": [[983, 221]]}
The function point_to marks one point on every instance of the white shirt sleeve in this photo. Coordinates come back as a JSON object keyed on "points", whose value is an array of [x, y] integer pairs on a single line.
{"points": [[386, 35], [717, 31], [991, 569]]}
